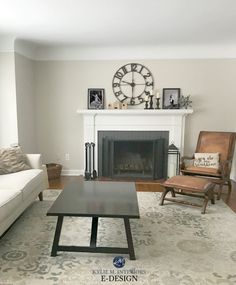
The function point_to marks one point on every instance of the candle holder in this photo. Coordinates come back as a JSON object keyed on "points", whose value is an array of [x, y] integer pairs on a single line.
{"points": [[146, 105], [158, 103], [151, 102]]}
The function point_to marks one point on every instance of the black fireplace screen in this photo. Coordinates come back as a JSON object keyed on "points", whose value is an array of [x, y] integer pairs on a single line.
{"points": [[140, 155]]}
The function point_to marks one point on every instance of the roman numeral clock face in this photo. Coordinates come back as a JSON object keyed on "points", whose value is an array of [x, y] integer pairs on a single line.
{"points": [[131, 83]]}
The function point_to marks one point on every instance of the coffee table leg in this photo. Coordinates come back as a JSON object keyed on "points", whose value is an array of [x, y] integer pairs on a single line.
{"points": [[94, 229], [57, 235], [129, 239]]}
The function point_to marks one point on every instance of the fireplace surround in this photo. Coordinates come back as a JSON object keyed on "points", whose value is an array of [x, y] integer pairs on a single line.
{"points": [[171, 121]]}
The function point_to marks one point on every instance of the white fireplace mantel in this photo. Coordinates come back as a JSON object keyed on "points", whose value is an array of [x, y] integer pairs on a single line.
{"points": [[169, 120], [142, 112]]}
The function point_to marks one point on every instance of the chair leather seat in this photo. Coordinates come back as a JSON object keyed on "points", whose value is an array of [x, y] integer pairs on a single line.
{"points": [[190, 186], [188, 183], [202, 170]]}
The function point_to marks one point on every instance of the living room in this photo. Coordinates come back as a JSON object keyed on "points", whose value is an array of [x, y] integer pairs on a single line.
{"points": [[51, 54]]}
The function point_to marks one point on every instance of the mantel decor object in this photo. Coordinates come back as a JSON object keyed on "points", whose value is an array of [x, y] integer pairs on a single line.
{"points": [[185, 102], [146, 105], [131, 83], [96, 98], [157, 99], [146, 102], [171, 98], [151, 102], [158, 103]]}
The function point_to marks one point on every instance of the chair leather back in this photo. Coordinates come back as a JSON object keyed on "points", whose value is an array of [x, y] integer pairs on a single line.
{"points": [[221, 142]]}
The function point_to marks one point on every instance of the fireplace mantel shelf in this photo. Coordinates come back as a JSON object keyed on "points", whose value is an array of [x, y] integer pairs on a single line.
{"points": [[161, 112]]}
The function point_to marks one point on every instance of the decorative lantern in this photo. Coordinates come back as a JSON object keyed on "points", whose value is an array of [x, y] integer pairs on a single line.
{"points": [[173, 160]]}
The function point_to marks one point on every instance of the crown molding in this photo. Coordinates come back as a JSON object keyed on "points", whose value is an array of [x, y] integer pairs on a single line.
{"points": [[25, 48], [6, 44], [134, 52], [48, 53]]}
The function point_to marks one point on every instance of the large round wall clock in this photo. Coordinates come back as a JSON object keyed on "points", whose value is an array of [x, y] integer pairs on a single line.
{"points": [[132, 83]]}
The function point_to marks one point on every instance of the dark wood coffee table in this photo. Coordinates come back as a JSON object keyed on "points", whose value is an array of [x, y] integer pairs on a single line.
{"points": [[96, 199]]}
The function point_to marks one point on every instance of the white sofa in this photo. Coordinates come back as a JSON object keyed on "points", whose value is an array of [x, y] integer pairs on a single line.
{"points": [[18, 190]]}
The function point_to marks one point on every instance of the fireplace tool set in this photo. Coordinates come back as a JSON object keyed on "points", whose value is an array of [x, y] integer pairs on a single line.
{"points": [[90, 172]]}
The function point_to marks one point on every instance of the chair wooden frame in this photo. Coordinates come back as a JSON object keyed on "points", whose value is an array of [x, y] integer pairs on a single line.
{"points": [[212, 142]]}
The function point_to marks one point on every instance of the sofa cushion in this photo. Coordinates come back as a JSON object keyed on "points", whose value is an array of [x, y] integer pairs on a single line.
{"points": [[23, 181], [9, 200], [12, 160]]}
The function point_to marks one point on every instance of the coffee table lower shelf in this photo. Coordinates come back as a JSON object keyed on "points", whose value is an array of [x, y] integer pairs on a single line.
{"points": [[93, 241]]}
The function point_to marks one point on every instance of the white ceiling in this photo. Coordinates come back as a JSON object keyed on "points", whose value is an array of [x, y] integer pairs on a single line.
{"points": [[103, 23]]}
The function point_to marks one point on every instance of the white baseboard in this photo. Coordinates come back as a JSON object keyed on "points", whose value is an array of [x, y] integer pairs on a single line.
{"points": [[72, 172]]}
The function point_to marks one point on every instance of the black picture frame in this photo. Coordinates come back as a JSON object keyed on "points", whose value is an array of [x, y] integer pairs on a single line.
{"points": [[96, 98], [170, 98]]}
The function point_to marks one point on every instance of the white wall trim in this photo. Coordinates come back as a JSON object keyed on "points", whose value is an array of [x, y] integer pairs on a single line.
{"points": [[39, 52], [6, 44], [25, 48], [72, 172], [134, 52]]}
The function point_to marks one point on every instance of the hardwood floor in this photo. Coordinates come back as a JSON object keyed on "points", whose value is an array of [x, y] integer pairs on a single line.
{"points": [[143, 186]]}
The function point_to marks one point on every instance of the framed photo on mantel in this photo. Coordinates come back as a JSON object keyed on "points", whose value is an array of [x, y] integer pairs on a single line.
{"points": [[170, 99], [96, 98]]}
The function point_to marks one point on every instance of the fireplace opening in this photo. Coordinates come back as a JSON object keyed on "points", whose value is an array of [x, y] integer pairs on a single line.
{"points": [[136, 154], [133, 157]]}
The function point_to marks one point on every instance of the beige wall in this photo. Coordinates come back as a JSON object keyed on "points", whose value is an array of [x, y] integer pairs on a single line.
{"points": [[25, 97], [61, 88], [8, 112]]}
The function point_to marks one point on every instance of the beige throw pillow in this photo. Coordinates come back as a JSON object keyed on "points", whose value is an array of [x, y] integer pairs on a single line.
{"points": [[210, 160], [12, 160]]}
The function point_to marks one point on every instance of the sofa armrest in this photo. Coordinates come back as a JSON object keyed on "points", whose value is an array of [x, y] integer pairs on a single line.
{"points": [[34, 160]]}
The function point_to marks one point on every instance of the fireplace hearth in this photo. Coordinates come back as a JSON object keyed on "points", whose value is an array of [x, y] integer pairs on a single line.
{"points": [[135, 154]]}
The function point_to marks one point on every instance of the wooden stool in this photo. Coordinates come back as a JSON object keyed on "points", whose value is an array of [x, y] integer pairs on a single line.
{"points": [[190, 186]]}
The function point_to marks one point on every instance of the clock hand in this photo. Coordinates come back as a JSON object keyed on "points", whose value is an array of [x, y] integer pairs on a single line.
{"points": [[127, 82], [132, 91], [132, 84]]}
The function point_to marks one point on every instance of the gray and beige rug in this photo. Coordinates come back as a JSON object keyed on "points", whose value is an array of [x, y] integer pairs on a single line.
{"points": [[174, 245]]}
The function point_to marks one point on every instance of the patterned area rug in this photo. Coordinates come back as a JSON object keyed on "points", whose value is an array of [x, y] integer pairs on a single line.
{"points": [[174, 244]]}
